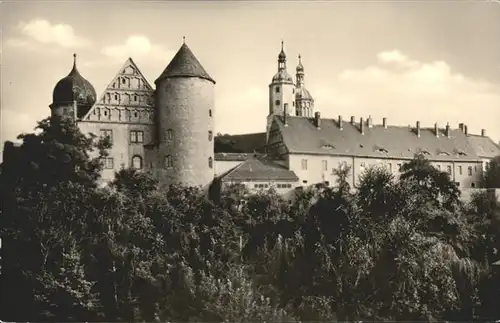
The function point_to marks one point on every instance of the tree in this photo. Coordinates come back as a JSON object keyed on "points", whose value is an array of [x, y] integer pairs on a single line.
{"points": [[492, 175]]}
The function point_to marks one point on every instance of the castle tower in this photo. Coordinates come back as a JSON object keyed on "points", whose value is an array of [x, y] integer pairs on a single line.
{"points": [[73, 96], [281, 90], [185, 126], [304, 102]]}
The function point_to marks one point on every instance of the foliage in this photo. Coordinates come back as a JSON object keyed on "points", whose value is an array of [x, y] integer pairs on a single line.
{"points": [[396, 248], [492, 175]]}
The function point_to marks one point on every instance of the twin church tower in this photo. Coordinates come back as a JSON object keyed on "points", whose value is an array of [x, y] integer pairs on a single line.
{"points": [[170, 129]]}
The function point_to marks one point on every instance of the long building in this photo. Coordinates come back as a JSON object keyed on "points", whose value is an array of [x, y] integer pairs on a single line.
{"points": [[169, 130]]}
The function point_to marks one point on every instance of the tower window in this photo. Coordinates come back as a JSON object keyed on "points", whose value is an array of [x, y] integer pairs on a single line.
{"points": [[277, 102], [137, 162], [277, 89], [169, 134], [135, 97], [169, 161], [116, 96], [123, 81], [210, 162], [210, 135], [210, 112]]}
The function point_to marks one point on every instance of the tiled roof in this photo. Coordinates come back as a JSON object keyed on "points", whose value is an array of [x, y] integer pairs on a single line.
{"points": [[484, 146], [232, 156], [247, 143], [258, 169], [302, 136], [184, 64]]}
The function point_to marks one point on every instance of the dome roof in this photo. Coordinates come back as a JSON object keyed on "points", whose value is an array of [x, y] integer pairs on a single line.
{"points": [[282, 77], [303, 93], [184, 64], [74, 87]]}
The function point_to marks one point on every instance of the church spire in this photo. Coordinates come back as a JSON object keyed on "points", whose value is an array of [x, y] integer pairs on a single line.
{"points": [[282, 58], [300, 73]]}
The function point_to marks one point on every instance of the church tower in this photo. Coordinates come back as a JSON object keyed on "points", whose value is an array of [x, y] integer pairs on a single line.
{"points": [[73, 96], [185, 114], [281, 91], [304, 102]]}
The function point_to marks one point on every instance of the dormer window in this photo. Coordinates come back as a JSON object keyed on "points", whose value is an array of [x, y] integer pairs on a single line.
{"points": [[425, 152], [443, 153], [382, 150], [327, 146]]}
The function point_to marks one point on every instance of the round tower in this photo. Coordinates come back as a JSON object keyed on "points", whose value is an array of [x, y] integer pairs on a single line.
{"points": [[73, 96], [185, 125]]}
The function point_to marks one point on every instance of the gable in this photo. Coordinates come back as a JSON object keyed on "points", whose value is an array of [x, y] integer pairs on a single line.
{"points": [[128, 98]]}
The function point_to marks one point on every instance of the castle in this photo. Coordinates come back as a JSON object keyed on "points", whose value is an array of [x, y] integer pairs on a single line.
{"points": [[169, 130]]}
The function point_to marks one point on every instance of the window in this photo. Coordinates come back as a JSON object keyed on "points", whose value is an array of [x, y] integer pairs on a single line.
{"points": [[469, 169], [169, 162], [107, 163], [399, 167], [123, 81], [325, 164], [460, 170], [136, 136], [475, 168], [210, 135], [107, 133], [169, 134], [304, 164], [277, 89], [210, 112], [473, 185], [390, 167], [439, 167], [116, 96], [137, 162], [135, 97], [210, 162], [448, 168], [457, 183], [277, 102]]}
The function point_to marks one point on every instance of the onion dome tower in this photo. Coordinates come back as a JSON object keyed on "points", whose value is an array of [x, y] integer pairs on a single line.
{"points": [[281, 91], [73, 96], [185, 122], [304, 102]]}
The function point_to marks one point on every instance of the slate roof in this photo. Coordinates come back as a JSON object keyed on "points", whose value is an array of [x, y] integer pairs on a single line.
{"points": [[184, 64], [232, 156], [246, 143], [259, 169], [484, 146], [302, 136]]}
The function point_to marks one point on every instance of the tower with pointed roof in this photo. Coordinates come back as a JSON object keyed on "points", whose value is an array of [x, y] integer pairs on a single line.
{"points": [[281, 90], [185, 121], [73, 96], [304, 102]]}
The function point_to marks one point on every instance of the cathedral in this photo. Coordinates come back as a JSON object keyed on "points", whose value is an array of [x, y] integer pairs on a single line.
{"points": [[168, 130]]}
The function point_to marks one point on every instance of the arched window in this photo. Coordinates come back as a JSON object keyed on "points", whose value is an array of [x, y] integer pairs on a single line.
{"points": [[137, 162], [169, 134], [210, 162], [169, 161], [210, 135], [277, 102]]}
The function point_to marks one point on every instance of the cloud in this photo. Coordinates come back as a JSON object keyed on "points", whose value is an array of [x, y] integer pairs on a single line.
{"points": [[43, 32], [406, 90], [137, 46]]}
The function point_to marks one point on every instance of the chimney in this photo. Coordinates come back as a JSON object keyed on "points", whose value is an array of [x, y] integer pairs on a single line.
{"points": [[341, 123], [384, 122], [362, 125], [285, 112], [317, 119], [466, 132], [436, 130], [353, 120], [461, 126], [369, 122], [448, 130], [418, 128], [483, 132]]}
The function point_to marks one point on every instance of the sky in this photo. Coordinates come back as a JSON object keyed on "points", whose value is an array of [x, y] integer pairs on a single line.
{"points": [[432, 61]]}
